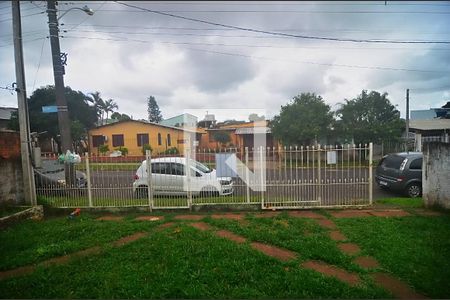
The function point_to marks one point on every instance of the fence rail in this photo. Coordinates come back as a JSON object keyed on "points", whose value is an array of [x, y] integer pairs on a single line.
{"points": [[275, 178]]}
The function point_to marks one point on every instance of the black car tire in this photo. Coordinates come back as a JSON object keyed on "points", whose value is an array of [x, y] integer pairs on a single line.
{"points": [[414, 190], [141, 192]]}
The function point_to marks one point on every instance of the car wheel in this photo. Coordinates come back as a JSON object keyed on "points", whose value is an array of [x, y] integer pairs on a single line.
{"points": [[414, 190], [141, 192]]}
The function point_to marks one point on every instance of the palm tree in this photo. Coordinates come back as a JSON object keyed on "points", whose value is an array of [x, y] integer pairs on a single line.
{"points": [[98, 103], [110, 106]]}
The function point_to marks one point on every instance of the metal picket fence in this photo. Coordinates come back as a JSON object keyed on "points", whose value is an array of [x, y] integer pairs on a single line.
{"points": [[274, 178]]}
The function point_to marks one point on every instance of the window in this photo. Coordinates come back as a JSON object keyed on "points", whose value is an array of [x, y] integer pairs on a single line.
{"points": [[177, 169], [392, 161], [160, 168], [142, 139], [117, 140], [168, 140], [97, 140], [416, 164], [159, 139]]}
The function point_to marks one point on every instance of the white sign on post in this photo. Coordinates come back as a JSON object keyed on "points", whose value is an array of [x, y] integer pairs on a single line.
{"points": [[331, 157]]}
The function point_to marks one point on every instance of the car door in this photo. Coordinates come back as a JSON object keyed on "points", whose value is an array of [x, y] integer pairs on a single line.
{"points": [[415, 170], [177, 178], [159, 180]]}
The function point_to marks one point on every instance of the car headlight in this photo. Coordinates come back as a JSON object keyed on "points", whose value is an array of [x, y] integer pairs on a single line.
{"points": [[62, 181]]}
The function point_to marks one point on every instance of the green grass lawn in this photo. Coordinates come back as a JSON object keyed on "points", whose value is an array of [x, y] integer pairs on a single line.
{"points": [[402, 202], [183, 262]]}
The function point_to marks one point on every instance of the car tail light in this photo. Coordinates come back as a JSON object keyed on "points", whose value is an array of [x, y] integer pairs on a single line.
{"points": [[401, 178], [135, 177]]}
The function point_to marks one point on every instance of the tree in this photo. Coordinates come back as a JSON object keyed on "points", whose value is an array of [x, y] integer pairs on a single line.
{"points": [[154, 114], [370, 117], [82, 115], [110, 106], [255, 118], [120, 117], [305, 119], [98, 103], [222, 137]]}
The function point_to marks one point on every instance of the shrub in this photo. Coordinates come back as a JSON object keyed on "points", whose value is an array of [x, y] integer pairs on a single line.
{"points": [[103, 149], [146, 147], [123, 150], [173, 150]]}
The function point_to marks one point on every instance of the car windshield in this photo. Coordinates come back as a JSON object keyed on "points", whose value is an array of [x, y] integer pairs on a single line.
{"points": [[201, 167]]}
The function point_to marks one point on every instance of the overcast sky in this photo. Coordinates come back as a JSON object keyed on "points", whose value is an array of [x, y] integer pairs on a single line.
{"points": [[128, 54]]}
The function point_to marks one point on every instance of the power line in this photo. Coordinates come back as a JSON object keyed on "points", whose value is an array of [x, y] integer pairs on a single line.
{"points": [[24, 16], [177, 34], [260, 57], [282, 34], [287, 11], [39, 64]]}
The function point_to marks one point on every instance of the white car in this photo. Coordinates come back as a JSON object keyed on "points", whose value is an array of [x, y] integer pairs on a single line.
{"points": [[169, 178]]}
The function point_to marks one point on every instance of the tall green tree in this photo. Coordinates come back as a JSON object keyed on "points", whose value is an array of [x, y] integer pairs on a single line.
{"points": [[98, 104], [110, 106], [302, 121], [154, 113], [82, 115], [370, 117]]}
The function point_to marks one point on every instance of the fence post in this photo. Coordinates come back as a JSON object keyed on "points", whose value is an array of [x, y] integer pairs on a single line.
{"points": [[247, 175], [148, 157], [319, 175], [262, 167], [88, 175], [188, 176], [370, 173]]}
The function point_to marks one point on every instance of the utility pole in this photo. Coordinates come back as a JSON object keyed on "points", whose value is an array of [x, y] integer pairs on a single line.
{"points": [[407, 119], [24, 125], [58, 74]]}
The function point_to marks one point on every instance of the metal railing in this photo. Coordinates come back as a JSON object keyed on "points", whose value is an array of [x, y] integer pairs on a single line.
{"points": [[274, 178]]}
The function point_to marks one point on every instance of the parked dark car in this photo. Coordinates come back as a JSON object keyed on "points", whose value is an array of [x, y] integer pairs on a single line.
{"points": [[51, 176], [401, 172]]}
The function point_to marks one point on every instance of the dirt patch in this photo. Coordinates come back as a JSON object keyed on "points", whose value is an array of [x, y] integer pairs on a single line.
{"points": [[336, 235], [201, 226], [428, 213], [279, 253], [326, 223], [110, 218], [329, 270], [349, 248], [17, 272], [64, 259], [128, 239], [231, 236], [165, 225], [396, 287], [366, 262], [306, 214], [229, 216], [390, 213], [150, 218], [350, 214], [268, 214], [189, 217]]}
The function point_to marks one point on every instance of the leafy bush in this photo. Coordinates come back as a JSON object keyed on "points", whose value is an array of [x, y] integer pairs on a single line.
{"points": [[124, 150], [103, 149], [173, 150], [146, 147]]}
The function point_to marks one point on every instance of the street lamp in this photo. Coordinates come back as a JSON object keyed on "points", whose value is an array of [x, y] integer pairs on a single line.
{"points": [[85, 8], [58, 73]]}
